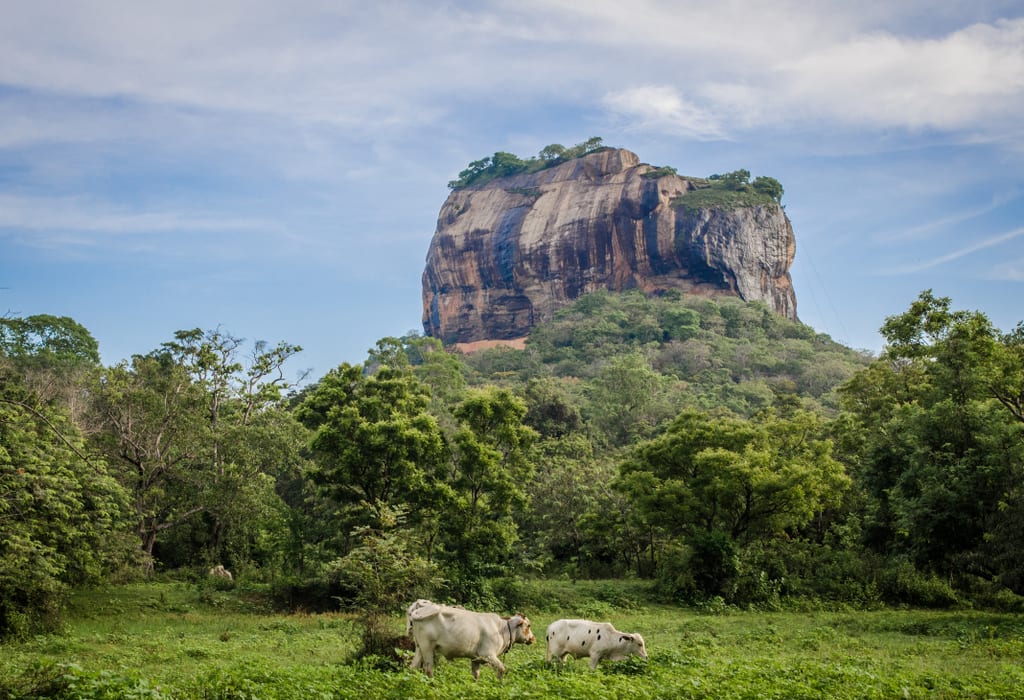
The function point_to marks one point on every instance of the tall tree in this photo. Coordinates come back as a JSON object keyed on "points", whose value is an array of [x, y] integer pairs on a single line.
{"points": [[940, 449], [242, 396], [157, 439], [628, 399], [172, 424], [374, 443], [60, 510], [54, 356], [746, 479], [488, 477]]}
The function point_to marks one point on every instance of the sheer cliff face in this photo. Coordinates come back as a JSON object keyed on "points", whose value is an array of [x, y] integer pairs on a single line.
{"points": [[508, 254]]}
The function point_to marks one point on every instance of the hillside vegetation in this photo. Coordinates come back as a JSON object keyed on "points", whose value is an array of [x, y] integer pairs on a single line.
{"points": [[706, 353]]}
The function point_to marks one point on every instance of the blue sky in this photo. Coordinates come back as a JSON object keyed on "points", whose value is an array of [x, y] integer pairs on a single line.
{"points": [[276, 169]]}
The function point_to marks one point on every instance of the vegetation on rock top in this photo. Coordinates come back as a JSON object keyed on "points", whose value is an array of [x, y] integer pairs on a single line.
{"points": [[733, 189], [503, 164]]}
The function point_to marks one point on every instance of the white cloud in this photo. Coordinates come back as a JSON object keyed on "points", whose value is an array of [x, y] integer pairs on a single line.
{"points": [[703, 69], [662, 108], [872, 65], [883, 80]]}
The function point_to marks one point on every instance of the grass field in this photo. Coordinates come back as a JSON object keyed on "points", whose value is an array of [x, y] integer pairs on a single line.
{"points": [[177, 641]]}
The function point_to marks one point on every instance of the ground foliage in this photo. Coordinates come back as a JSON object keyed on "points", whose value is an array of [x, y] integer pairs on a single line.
{"points": [[176, 641]]}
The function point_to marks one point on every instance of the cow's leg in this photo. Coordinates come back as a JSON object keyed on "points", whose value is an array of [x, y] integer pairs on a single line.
{"points": [[426, 654], [475, 666], [594, 658], [495, 663]]}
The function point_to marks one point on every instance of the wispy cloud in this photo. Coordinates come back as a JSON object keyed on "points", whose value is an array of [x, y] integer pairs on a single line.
{"points": [[1010, 271], [732, 65], [76, 224], [989, 242], [929, 228]]}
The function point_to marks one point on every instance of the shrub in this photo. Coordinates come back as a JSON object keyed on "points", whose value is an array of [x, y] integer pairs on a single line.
{"points": [[707, 566], [503, 164], [673, 578], [714, 562], [901, 582], [655, 173]]}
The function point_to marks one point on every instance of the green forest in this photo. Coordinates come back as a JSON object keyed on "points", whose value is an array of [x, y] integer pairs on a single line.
{"points": [[708, 448]]}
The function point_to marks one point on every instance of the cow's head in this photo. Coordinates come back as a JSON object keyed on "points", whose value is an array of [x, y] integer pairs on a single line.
{"points": [[633, 644], [519, 625]]}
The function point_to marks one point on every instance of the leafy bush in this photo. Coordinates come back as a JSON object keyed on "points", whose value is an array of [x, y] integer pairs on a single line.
{"points": [[60, 511], [722, 198], [731, 190], [901, 582], [663, 171], [674, 578], [315, 594], [704, 568], [773, 571], [384, 574], [769, 186], [714, 562]]}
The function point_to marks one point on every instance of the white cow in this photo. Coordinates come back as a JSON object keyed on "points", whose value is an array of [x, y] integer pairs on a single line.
{"points": [[598, 640], [456, 633], [220, 572]]}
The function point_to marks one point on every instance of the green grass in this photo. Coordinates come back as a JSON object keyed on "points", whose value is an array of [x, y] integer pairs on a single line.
{"points": [[714, 197], [174, 641]]}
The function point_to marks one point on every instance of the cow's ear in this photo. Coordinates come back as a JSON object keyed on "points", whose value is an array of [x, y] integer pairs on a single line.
{"points": [[425, 611], [626, 638]]}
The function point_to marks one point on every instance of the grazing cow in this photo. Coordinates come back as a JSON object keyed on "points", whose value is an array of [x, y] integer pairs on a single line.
{"points": [[598, 640], [456, 633], [220, 572]]}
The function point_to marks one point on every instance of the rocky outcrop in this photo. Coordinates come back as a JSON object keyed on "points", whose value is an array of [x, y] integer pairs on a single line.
{"points": [[508, 254]]}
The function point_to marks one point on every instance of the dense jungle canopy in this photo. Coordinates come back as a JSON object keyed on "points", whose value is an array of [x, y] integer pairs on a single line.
{"points": [[706, 445]]}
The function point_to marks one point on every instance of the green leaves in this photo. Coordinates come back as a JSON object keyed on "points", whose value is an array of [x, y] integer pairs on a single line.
{"points": [[750, 479], [940, 453], [59, 513], [503, 164], [59, 338], [374, 441]]}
